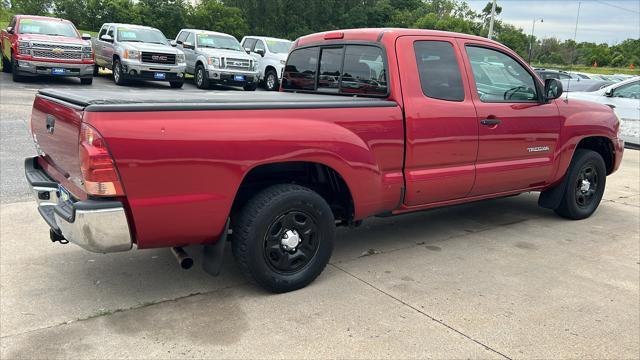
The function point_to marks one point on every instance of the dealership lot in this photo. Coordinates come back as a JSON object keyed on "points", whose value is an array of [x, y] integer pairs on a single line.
{"points": [[494, 279]]}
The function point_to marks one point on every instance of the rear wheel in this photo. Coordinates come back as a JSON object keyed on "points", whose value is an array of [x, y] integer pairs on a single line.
{"points": [[271, 80], [201, 78], [96, 70], [585, 185], [118, 75], [283, 237]]}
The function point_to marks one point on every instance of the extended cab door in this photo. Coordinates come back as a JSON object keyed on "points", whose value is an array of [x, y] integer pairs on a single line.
{"points": [[518, 130], [441, 122]]}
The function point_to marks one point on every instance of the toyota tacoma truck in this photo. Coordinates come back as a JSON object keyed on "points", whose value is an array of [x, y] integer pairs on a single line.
{"points": [[217, 58], [38, 45], [374, 122], [271, 54], [135, 52]]}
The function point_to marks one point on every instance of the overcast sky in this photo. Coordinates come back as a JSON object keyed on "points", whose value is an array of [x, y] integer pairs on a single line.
{"points": [[600, 21]]}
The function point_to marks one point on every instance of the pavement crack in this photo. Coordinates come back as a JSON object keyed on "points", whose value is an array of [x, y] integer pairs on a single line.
{"points": [[102, 313], [487, 347]]}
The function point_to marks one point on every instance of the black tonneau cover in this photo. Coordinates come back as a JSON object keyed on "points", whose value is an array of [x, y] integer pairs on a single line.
{"points": [[184, 100]]}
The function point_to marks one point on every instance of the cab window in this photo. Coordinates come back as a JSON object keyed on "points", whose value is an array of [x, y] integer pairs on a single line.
{"points": [[499, 77], [330, 65], [248, 44], [259, 46], [103, 31], [182, 37], [300, 71], [628, 91]]}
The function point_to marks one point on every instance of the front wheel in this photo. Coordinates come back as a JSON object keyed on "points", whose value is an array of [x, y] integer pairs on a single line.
{"points": [[15, 73], [176, 84], [96, 70], [118, 75], [587, 176], [201, 78], [251, 87], [86, 81], [283, 237], [6, 65], [271, 81]]}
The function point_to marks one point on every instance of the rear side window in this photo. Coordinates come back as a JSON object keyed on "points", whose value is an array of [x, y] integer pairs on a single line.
{"points": [[439, 71], [300, 72], [350, 69]]}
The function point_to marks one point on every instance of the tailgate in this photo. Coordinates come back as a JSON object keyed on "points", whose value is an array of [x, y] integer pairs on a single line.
{"points": [[56, 129]]}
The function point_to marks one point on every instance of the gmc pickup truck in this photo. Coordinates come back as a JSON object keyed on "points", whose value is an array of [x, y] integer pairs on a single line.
{"points": [[38, 45], [373, 122]]}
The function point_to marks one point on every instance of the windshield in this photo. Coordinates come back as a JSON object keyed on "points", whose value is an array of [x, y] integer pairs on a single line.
{"points": [[218, 42], [47, 27], [279, 46], [152, 36]]}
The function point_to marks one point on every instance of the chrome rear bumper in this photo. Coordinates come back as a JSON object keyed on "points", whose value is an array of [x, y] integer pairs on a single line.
{"points": [[95, 225]]}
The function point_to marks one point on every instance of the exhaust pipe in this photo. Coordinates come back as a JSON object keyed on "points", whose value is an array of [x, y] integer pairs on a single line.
{"points": [[185, 261]]}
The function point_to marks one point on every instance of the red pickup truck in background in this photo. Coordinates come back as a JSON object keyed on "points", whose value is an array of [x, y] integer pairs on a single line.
{"points": [[368, 122], [38, 45]]}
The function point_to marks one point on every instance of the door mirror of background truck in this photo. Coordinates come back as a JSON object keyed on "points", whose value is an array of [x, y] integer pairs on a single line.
{"points": [[106, 38], [260, 52], [9, 29], [552, 89], [188, 45], [86, 36], [609, 93]]}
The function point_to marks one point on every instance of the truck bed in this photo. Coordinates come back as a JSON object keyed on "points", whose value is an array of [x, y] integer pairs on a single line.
{"points": [[158, 100]]}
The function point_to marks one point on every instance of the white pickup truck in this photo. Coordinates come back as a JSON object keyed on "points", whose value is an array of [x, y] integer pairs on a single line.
{"points": [[271, 55]]}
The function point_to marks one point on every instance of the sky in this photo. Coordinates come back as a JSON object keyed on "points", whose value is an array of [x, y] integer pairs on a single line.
{"points": [[608, 22]]}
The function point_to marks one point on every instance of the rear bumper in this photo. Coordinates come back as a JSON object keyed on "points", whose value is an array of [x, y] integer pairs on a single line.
{"points": [[96, 225], [34, 68]]}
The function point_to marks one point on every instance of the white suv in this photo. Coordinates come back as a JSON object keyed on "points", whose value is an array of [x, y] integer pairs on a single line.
{"points": [[271, 55]]}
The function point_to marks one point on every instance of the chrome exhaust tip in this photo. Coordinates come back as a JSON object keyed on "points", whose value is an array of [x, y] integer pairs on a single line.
{"points": [[184, 260]]}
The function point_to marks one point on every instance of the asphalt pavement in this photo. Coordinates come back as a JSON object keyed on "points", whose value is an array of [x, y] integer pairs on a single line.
{"points": [[494, 279]]}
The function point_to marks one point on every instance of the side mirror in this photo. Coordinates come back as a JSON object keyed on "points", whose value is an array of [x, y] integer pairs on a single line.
{"points": [[188, 45], [248, 50], [260, 52], [107, 38], [609, 93], [10, 29], [173, 43], [86, 36], [552, 89]]}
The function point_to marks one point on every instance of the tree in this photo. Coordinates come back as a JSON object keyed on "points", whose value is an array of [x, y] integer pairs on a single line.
{"points": [[31, 7], [213, 15]]}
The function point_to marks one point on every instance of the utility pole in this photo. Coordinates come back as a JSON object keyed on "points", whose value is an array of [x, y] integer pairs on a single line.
{"points": [[533, 27], [493, 15]]}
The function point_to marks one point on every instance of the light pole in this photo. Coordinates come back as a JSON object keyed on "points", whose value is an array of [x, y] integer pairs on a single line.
{"points": [[533, 27]]}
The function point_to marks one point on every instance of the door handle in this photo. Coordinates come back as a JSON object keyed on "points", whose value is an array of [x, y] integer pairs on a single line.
{"points": [[490, 122]]}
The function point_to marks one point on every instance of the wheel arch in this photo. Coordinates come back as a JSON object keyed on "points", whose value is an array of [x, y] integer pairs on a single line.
{"points": [[602, 145]]}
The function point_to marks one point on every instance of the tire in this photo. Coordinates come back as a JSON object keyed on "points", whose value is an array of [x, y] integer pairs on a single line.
{"points": [[176, 84], [271, 81], [96, 70], [15, 74], [587, 177], [251, 87], [279, 210], [86, 81], [201, 78], [6, 65], [118, 75]]}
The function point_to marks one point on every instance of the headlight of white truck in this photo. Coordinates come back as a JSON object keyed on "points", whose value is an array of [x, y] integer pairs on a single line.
{"points": [[180, 58], [132, 54], [214, 61]]}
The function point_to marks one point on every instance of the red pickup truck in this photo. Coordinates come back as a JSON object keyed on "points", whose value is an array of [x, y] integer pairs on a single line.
{"points": [[368, 122], [39, 45]]}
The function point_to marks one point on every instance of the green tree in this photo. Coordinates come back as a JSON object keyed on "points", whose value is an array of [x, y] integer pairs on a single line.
{"points": [[31, 7], [213, 15]]}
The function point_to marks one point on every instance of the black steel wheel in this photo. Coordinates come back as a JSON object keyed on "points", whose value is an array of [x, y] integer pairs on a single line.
{"points": [[6, 65], [15, 72], [283, 237], [585, 185]]}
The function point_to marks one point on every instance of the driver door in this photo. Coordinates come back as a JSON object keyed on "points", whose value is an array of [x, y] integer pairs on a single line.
{"points": [[518, 132]]}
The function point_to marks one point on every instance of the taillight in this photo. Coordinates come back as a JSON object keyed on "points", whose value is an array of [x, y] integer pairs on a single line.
{"points": [[98, 169]]}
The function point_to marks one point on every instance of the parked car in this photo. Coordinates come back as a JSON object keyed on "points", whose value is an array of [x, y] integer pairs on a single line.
{"points": [[624, 98], [271, 55], [135, 52], [217, 58], [39, 45], [583, 85], [555, 74], [416, 119]]}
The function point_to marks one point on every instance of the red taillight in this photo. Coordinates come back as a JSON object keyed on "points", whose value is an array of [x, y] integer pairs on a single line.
{"points": [[98, 169]]}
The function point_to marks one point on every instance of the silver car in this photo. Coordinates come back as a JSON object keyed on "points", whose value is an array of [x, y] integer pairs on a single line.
{"points": [[217, 58], [135, 52]]}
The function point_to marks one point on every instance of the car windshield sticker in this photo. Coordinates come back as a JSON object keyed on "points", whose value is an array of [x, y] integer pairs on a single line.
{"points": [[126, 34]]}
